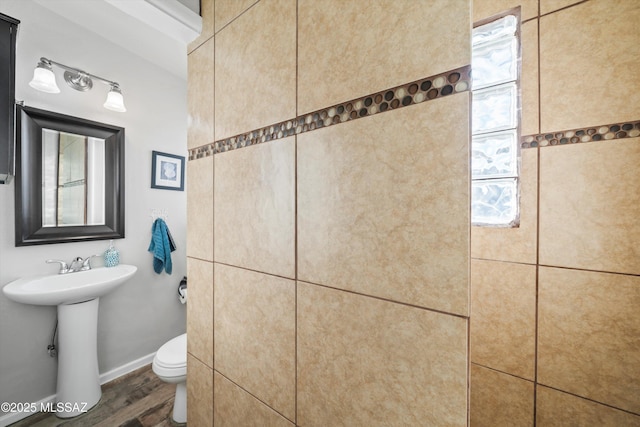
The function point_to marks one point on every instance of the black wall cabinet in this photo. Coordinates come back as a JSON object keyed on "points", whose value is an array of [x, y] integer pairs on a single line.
{"points": [[8, 30]]}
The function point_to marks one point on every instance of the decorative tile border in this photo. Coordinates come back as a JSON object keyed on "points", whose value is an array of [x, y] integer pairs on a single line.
{"points": [[575, 136], [427, 89]]}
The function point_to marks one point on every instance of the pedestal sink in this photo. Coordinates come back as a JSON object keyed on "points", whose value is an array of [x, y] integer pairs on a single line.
{"points": [[77, 296]]}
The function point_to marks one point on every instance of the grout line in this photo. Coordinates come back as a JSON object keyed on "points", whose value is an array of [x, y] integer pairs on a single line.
{"points": [[505, 261], [535, 349], [199, 45], [233, 20], [469, 269], [213, 229], [536, 330], [199, 259], [535, 403], [590, 271], [213, 321], [469, 367], [253, 270], [589, 399], [502, 372], [213, 70], [433, 310], [561, 9], [253, 395], [347, 290], [537, 303], [200, 360], [539, 74], [295, 231]]}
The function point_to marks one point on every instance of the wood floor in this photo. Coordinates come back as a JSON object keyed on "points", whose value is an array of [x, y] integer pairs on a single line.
{"points": [[138, 399]]}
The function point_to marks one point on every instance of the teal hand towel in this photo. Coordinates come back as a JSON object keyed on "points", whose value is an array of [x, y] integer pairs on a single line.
{"points": [[161, 246]]}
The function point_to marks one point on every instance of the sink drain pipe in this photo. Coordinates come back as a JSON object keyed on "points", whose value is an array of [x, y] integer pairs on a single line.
{"points": [[51, 348]]}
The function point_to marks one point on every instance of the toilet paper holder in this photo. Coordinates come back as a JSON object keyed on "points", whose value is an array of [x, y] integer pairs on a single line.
{"points": [[182, 290]]}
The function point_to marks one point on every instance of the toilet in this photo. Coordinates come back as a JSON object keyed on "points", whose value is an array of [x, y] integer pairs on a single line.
{"points": [[170, 365]]}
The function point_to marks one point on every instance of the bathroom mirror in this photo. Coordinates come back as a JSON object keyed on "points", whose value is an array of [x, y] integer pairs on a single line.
{"points": [[69, 179]]}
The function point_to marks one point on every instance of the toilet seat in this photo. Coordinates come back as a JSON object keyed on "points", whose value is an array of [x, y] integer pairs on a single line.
{"points": [[170, 360]]}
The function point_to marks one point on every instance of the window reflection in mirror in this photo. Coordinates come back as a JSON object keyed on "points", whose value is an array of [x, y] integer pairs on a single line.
{"points": [[73, 179]]}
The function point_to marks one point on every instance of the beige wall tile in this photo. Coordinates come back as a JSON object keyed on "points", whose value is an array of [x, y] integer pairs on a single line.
{"points": [[499, 399], [254, 207], [589, 206], [206, 11], [375, 198], [578, 84], [228, 10], [548, 6], [200, 208], [514, 244], [483, 9], [346, 51], [235, 407], [588, 335], [200, 310], [200, 95], [199, 393], [555, 408], [255, 69], [529, 78], [364, 361], [503, 316], [255, 320]]}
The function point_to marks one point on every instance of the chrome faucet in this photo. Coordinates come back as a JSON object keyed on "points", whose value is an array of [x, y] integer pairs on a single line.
{"points": [[64, 267], [86, 264], [78, 264]]}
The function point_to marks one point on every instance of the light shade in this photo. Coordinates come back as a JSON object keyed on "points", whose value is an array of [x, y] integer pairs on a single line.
{"points": [[115, 101], [44, 80]]}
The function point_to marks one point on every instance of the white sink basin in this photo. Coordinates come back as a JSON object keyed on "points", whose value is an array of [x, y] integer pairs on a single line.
{"points": [[70, 288], [77, 296]]}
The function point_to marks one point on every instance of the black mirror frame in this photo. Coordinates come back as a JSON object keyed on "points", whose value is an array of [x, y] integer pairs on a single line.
{"points": [[28, 191]]}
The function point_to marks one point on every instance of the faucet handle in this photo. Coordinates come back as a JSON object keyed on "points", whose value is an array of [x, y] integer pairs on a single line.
{"points": [[64, 267], [86, 264]]}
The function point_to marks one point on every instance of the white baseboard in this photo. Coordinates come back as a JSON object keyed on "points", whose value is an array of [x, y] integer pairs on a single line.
{"points": [[126, 368], [14, 417]]}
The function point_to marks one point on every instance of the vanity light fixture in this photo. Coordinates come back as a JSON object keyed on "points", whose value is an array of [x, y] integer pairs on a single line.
{"points": [[45, 80]]}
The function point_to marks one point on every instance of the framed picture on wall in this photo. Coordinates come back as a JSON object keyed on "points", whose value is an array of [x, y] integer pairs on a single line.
{"points": [[167, 171]]}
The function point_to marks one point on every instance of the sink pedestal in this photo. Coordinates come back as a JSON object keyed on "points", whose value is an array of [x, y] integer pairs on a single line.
{"points": [[78, 388]]}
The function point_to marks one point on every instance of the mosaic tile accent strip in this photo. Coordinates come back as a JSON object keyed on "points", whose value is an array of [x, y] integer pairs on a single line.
{"points": [[427, 89], [200, 152], [575, 136]]}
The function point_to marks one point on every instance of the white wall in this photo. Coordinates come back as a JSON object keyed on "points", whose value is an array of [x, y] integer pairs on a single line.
{"points": [[192, 4], [144, 313]]}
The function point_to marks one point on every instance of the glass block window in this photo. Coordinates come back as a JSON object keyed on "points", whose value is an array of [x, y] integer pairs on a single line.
{"points": [[494, 123]]}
